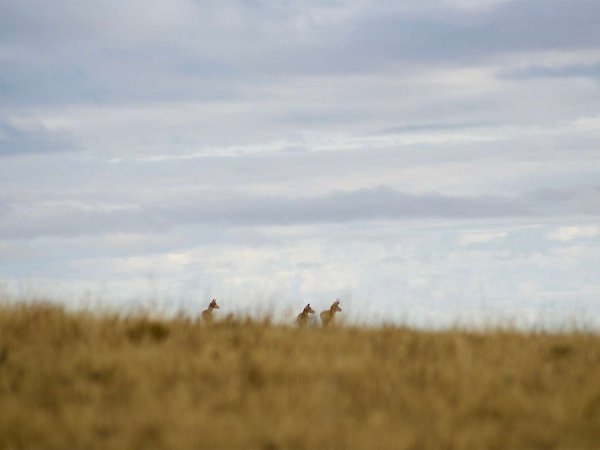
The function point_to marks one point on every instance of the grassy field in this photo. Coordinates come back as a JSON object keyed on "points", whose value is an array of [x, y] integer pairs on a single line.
{"points": [[79, 380]]}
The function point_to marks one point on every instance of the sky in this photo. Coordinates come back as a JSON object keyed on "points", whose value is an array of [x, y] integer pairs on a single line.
{"points": [[429, 163]]}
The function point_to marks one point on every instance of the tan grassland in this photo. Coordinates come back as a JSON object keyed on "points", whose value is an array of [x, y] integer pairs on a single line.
{"points": [[82, 380]]}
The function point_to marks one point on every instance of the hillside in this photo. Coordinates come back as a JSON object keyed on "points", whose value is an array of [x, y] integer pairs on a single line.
{"points": [[84, 380]]}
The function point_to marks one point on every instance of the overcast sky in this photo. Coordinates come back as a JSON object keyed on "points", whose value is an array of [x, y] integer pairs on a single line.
{"points": [[430, 162]]}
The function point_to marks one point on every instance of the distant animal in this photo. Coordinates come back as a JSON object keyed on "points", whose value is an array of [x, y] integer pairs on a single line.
{"points": [[302, 318], [207, 313], [328, 315]]}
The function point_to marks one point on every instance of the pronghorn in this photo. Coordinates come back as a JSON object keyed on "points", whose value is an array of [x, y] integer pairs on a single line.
{"points": [[328, 315], [207, 313], [302, 318]]}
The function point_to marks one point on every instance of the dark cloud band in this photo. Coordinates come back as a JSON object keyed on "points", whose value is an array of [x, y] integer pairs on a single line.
{"points": [[239, 210]]}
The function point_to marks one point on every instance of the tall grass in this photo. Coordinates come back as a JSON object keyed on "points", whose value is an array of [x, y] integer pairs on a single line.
{"points": [[80, 380]]}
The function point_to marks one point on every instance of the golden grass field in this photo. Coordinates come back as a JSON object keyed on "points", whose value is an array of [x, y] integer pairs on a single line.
{"points": [[79, 380]]}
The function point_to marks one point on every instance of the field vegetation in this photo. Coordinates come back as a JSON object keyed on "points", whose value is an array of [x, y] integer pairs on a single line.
{"points": [[100, 380]]}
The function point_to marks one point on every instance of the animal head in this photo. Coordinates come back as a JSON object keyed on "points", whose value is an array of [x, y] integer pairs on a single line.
{"points": [[336, 306], [308, 310], [213, 304]]}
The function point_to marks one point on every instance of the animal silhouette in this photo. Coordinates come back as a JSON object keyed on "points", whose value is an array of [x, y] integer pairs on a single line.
{"points": [[328, 315], [302, 319], [207, 314]]}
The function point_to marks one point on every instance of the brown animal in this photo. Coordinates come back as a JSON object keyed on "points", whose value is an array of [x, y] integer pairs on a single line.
{"points": [[207, 313], [302, 318], [328, 315]]}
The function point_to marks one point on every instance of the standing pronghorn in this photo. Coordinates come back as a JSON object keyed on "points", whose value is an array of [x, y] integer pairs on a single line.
{"points": [[302, 318], [328, 315], [207, 313]]}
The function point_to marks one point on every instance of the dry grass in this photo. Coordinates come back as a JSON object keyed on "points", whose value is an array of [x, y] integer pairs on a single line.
{"points": [[76, 380]]}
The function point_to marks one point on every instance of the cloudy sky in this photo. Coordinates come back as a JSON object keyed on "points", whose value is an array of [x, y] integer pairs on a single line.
{"points": [[429, 162]]}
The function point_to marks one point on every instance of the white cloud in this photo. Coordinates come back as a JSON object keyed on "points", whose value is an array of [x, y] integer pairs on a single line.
{"points": [[481, 237], [474, 5], [571, 233]]}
